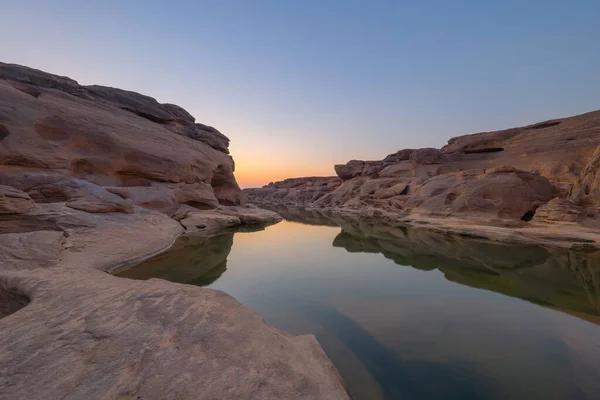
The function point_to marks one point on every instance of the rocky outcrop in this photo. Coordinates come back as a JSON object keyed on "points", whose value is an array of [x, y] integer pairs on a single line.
{"points": [[500, 192], [110, 137], [586, 190], [93, 178], [14, 201], [497, 177], [545, 173], [295, 191], [559, 209]]}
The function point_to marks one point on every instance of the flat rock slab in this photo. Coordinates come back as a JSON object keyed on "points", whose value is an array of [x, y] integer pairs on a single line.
{"points": [[103, 337]]}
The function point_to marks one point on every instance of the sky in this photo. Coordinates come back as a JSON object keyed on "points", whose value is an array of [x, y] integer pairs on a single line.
{"points": [[299, 86]]}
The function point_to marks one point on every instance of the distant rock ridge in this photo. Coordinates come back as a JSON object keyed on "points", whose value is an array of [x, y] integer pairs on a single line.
{"points": [[506, 175]]}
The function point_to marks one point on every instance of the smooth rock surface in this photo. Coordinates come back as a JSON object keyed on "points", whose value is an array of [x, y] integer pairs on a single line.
{"points": [[106, 337]]}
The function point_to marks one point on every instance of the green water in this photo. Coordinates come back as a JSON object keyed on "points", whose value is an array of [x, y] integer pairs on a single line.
{"points": [[409, 314]]}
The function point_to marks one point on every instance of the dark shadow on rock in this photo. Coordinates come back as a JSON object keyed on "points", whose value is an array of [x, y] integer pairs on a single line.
{"points": [[11, 302]]}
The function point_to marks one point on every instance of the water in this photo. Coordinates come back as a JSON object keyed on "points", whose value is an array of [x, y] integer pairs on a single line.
{"points": [[407, 314]]}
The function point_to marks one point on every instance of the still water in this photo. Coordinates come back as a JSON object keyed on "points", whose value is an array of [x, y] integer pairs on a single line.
{"points": [[409, 314]]}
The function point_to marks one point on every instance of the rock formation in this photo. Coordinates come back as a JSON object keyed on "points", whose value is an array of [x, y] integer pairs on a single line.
{"points": [[503, 178], [92, 178]]}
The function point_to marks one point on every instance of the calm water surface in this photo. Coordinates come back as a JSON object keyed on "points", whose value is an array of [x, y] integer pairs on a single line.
{"points": [[407, 314]]}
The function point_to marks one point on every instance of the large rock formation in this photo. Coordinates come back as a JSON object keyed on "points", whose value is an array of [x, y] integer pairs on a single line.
{"points": [[92, 178], [498, 176], [111, 138]]}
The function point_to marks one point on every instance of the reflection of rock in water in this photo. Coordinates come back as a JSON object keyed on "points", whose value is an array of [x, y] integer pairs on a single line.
{"points": [[561, 279], [195, 260], [296, 214], [555, 278], [586, 269], [11, 302]]}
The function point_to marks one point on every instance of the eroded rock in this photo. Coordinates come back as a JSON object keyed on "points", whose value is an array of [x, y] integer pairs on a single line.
{"points": [[507, 175], [89, 177], [14, 201], [559, 209]]}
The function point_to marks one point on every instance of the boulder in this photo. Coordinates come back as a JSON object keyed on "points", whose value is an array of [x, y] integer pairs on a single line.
{"points": [[425, 156], [502, 193], [350, 170], [559, 209], [14, 201]]}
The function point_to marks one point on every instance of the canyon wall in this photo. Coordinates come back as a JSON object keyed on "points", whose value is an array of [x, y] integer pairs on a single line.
{"points": [[545, 172]]}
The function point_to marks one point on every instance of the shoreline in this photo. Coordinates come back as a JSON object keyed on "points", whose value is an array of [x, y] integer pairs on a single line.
{"points": [[556, 234], [143, 338]]}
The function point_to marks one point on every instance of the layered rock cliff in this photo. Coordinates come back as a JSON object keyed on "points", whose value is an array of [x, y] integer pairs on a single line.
{"points": [[546, 172], [92, 178]]}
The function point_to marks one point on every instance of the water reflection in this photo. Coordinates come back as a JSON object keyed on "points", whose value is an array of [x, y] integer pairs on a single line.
{"points": [[424, 331], [195, 259], [560, 279]]}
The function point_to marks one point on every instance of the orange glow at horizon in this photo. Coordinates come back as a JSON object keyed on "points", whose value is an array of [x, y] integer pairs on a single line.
{"points": [[259, 162], [258, 175]]}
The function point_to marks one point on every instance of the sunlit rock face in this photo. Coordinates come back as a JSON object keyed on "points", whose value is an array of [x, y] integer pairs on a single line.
{"points": [[111, 138], [504, 175]]}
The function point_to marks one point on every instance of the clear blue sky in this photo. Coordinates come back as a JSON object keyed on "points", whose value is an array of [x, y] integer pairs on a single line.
{"points": [[301, 85]]}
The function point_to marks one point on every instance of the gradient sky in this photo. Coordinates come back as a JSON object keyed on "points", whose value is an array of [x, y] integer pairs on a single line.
{"points": [[301, 85]]}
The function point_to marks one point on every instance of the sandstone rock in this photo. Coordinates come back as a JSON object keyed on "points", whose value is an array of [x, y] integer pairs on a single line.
{"points": [[315, 181], [110, 137], [31, 250], [84, 196], [503, 175], [208, 219], [69, 329], [400, 155], [86, 334], [558, 209], [295, 191], [355, 168], [251, 215], [425, 156], [225, 216], [586, 191], [14, 201], [395, 190], [350, 170], [159, 198], [505, 193]]}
